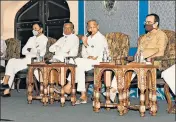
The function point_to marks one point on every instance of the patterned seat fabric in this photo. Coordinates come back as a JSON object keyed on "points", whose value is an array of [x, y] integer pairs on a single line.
{"points": [[13, 48], [169, 54], [50, 42], [118, 44]]}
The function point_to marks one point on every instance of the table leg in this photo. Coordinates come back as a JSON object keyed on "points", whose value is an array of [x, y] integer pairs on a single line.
{"points": [[96, 102], [30, 85], [73, 90], [121, 107], [51, 92], [62, 86], [45, 83], [142, 103], [154, 98], [125, 102], [107, 81]]}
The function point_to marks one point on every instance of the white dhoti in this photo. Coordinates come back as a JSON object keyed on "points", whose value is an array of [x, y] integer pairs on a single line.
{"points": [[14, 65], [169, 76], [83, 65]]}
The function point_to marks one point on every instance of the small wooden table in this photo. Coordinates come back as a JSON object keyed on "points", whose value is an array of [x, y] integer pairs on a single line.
{"points": [[61, 68], [146, 75]]}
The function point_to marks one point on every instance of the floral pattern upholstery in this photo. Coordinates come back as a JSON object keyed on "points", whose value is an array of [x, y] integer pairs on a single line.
{"points": [[169, 55], [118, 44], [50, 42], [13, 48]]}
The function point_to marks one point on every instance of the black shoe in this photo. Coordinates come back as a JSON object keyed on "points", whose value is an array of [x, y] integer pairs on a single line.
{"points": [[5, 95], [4, 86]]}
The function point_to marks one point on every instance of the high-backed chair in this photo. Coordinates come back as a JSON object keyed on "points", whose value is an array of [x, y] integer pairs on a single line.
{"points": [[118, 44], [12, 51], [165, 62]]}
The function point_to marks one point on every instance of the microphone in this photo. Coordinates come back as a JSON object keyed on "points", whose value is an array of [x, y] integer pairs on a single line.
{"points": [[88, 33]]}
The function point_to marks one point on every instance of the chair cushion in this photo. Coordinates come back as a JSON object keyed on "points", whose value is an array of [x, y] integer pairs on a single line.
{"points": [[90, 73], [22, 73]]}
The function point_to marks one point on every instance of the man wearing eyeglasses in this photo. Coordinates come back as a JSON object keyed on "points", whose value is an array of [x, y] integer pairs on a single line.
{"points": [[35, 43], [152, 44]]}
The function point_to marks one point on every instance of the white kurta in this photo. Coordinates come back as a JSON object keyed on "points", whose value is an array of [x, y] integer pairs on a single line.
{"points": [[65, 46], [96, 45], [169, 76], [14, 65], [3, 50]]}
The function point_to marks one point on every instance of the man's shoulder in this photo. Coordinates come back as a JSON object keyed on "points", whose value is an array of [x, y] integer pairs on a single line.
{"points": [[43, 36], [160, 32], [100, 35], [73, 36]]}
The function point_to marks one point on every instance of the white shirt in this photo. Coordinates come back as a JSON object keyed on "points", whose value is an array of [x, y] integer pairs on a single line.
{"points": [[96, 46], [66, 46], [35, 43], [3, 48]]}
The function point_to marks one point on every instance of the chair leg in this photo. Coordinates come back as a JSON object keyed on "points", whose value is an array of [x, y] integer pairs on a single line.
{"points": [[169, 101], [87, 86], [18, 85]]}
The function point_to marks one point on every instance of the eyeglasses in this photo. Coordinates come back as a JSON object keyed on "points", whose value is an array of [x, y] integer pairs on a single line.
{"points": [[148, 22]]}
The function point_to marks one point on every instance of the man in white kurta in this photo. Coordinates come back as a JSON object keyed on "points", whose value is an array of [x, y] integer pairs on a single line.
{"points": [[35, 43], [169, 76], [67, 45], [3, 52], [92, 53]]}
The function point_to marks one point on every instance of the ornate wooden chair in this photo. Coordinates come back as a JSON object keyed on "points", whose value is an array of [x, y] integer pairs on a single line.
{"points": [[165, 62], [12, 51]]}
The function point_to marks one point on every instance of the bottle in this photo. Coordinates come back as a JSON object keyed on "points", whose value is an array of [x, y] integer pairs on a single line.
{"points": [[141, 57], [38, 55], [105, 55], [136, 58]]}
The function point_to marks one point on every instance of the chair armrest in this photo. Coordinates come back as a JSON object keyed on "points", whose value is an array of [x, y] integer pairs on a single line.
{"points": [[166, 59], [158, 58]]}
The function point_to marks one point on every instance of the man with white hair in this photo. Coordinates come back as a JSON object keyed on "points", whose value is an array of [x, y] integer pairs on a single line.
{"points": [[92, 53]]}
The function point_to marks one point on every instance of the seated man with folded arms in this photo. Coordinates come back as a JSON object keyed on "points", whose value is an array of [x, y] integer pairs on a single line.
{"points": [[152, 44], [64, 47], [92, 53], [3, 52], [35, 43]]}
